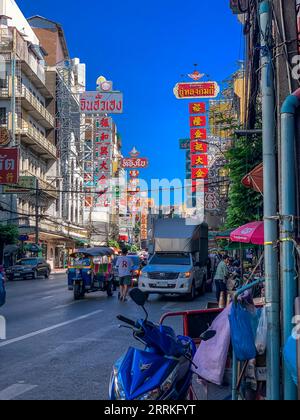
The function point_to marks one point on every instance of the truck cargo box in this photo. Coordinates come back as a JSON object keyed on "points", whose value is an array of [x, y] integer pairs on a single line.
{"points": [[175, 235]]}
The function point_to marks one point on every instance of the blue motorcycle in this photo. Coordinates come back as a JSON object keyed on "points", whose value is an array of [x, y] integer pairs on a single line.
{"points": [[162, 371]]}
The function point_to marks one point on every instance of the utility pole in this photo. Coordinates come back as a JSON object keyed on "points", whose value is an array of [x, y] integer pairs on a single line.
{"points": [[37, 213], [286, 38], [270, 203]]}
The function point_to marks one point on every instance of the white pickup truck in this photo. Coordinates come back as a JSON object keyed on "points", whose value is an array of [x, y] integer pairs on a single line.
{"points": [[179, 264]]}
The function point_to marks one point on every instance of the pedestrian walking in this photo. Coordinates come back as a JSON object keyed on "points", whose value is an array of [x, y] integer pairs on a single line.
{"points": [[221, 277], [124, 266]]}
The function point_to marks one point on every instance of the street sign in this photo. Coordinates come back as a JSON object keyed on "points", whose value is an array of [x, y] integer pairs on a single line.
{"points": [[95, 103], [201, 90], [134, 163], [9, 165], [26, 184]]}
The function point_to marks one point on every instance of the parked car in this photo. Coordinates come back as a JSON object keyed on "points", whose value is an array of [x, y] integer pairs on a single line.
{"points": [[137, 266], [31, 268]]}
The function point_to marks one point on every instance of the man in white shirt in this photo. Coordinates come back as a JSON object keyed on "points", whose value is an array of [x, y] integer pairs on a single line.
{"points": [[124, 266]]}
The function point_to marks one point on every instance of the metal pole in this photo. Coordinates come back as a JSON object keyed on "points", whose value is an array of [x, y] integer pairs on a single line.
{"points": [[288, 208], [270, 204], [37, 213]]}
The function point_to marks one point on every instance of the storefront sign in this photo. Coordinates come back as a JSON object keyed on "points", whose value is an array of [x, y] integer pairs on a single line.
{"points": [[26, 184], [9, 166], [131, 163], [202, 90], [93, 103]]}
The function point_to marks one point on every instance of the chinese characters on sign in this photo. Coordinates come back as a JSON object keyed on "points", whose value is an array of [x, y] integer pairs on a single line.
{"points": [[200, 160], [198, 121], [199, 173], [9, 166], [198, 146], [198, 134], [197, 108]]}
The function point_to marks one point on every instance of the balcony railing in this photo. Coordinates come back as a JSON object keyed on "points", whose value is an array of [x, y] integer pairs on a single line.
{"points": [[10, 40], [28, 96], [45, 187], [45, 146]]}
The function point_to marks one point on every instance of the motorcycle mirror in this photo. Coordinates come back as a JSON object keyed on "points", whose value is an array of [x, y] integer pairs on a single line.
{"points": [[208, 335], [138, 296]]}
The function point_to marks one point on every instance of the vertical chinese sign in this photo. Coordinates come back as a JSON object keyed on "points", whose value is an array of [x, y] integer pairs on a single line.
{"points": [[97, 107], [197, 157]]}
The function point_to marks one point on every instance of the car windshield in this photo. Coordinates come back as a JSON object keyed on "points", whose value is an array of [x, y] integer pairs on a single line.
{"points": [[32, 261], [171, 259]]}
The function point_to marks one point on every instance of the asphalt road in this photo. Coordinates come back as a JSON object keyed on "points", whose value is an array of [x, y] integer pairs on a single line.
{"points": [[58, 349]]}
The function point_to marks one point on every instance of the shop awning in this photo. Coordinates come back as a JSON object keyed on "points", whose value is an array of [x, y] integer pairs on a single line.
{"points": [[255, 179]]}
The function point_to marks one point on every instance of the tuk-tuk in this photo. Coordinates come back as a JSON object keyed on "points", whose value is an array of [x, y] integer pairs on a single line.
{"points": [[91, 270]]}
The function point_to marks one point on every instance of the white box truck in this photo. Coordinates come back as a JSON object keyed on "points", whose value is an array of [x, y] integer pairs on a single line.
{"points": [[179, 263]]}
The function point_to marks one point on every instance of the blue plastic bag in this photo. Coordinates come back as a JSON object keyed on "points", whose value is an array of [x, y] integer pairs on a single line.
{"points": [[290, 357], [2, 291], [242, 336]]}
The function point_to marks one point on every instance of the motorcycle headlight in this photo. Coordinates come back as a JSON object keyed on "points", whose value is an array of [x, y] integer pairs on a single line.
{"points": [[118, 387], [151, 395]]}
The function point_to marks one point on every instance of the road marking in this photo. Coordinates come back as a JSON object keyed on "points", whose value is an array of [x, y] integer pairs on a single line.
{"points": [[45, 330], [15, 391], [69, 304], [47, 297]]}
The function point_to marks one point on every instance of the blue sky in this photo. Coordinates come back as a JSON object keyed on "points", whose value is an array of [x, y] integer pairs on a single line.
{"points": [[145, 47]]}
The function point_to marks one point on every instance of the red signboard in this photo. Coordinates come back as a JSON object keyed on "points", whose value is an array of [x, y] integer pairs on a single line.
{"points": [[196, 90], [199, 173], [198, 146], [9, 166], [200, 160], [197, 108], [198, 121], [134, 163], [198, 134]]}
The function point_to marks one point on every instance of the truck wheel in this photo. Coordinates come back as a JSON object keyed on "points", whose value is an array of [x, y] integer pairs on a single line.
{"points": [[192, 295], [47, 274], [34, 275]]}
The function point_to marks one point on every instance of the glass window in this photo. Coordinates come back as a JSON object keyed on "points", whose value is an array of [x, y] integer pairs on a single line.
{"points": [[171, 259]]}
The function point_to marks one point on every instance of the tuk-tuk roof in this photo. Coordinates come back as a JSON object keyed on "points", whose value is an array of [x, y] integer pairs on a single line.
{"points": [[96, 252]]}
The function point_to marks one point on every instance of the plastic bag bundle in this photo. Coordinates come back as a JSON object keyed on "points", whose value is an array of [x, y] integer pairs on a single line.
{"points": [[262, 333], [242, 336], [2, 292]]}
